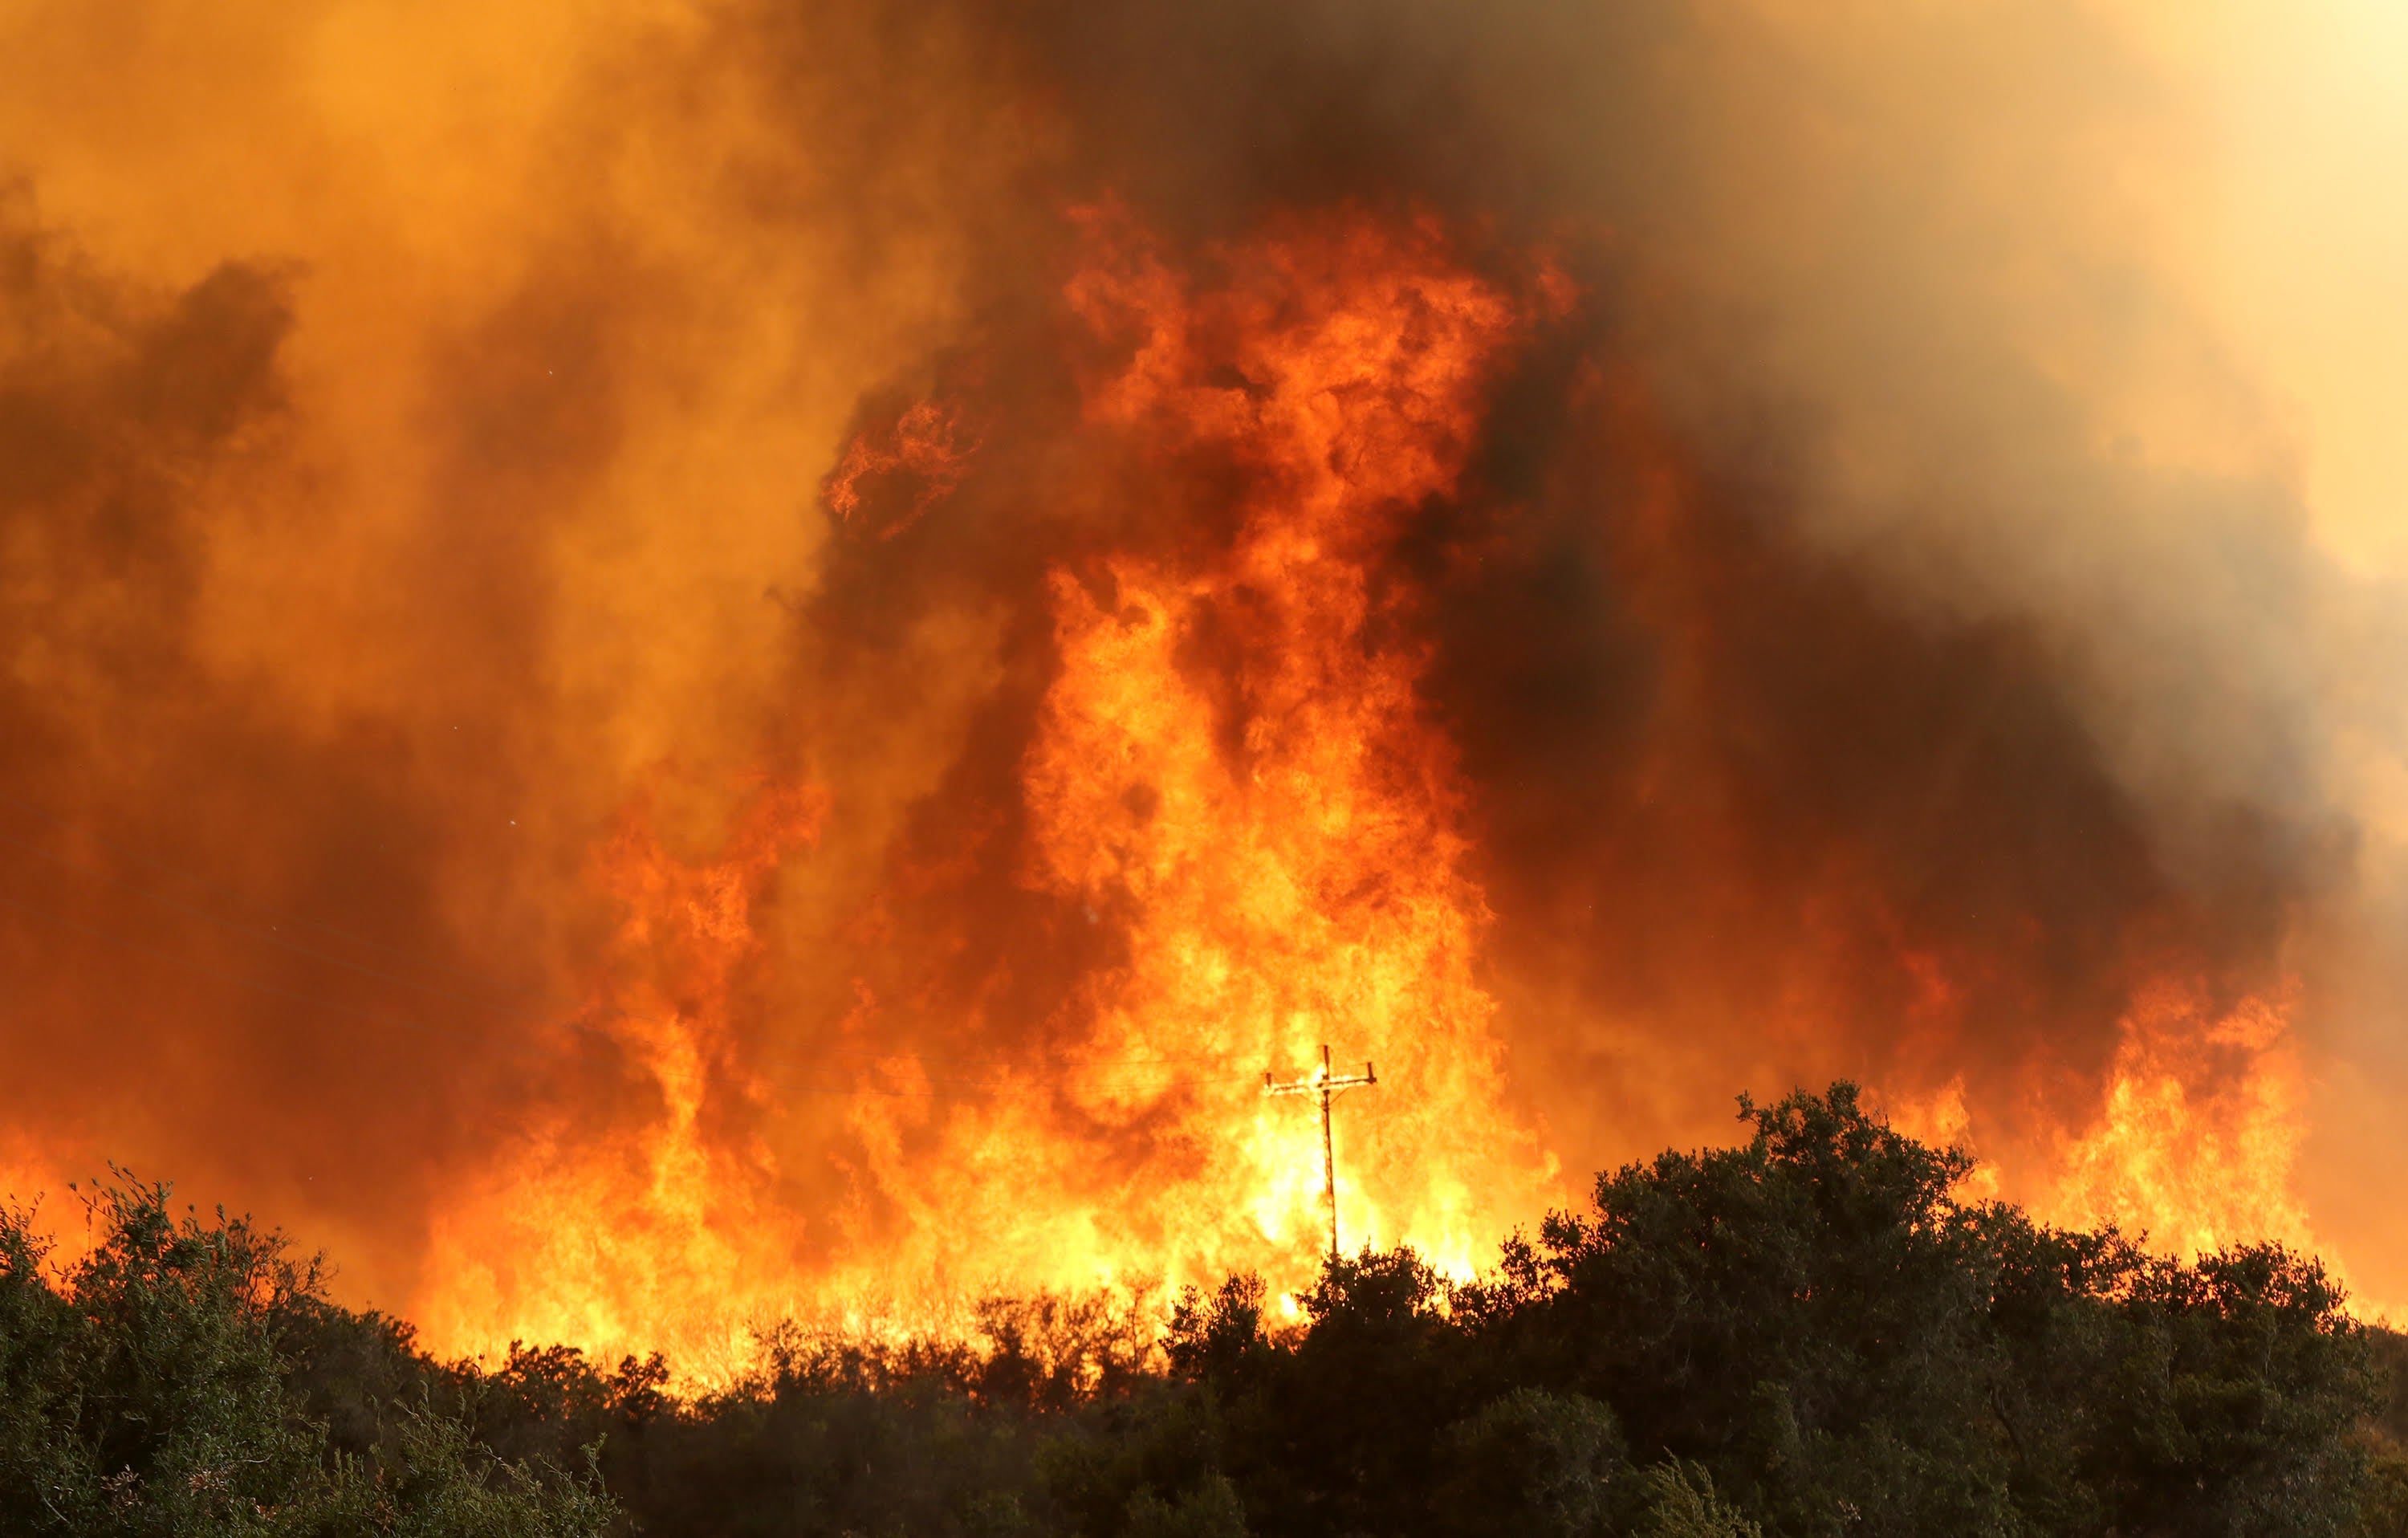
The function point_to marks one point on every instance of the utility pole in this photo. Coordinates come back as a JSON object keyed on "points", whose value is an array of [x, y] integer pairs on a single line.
{"points": [[1328, 1087]]}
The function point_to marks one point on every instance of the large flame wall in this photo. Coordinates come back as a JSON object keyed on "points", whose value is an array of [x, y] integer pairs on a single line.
{"points": [[664, 663]]}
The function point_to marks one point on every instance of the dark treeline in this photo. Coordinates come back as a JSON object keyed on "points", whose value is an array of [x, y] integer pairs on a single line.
{"points": [[1804, 1335]]}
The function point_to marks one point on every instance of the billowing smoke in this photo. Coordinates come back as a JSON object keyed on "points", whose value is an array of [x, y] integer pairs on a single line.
{"points": [[545, 557]]}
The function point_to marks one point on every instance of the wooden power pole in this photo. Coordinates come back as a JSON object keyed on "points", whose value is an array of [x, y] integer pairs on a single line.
{"points": [[1328, 1088]]}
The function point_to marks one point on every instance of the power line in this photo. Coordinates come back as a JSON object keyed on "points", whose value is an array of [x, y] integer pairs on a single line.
{"points": [[1328, 1088]]}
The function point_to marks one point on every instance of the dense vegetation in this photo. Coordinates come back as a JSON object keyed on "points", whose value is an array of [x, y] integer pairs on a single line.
{"points": [[1802, 1335]]}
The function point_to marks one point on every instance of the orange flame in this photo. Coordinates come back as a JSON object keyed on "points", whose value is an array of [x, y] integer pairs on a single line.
{"points": [[1279, 835], [627, 1235], [2200, 1125], [924, 453], [1288, 839], [1281, 840]]}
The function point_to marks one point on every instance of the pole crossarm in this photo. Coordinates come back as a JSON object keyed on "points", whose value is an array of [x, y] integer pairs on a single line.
{"points": [[1327, 1085]]}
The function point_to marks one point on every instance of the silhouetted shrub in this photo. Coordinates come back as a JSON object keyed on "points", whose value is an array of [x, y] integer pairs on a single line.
{"points": [[142, 1392]]}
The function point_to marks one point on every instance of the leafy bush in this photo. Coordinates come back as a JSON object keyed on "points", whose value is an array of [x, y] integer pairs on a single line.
{"points": [[142, 1393]]}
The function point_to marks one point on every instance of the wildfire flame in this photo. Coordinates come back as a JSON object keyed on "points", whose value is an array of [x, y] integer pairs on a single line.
{"points": [[2196, 1137], [2198, 1131], [926, 447], [626, 1233], [1278, 834]]}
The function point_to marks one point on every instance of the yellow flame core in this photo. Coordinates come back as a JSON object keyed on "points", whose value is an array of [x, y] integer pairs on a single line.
{"points": [[2199, 1128], [1288, 834]]}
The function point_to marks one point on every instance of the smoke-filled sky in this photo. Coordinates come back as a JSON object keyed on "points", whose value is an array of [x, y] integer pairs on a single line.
{"points": [[1921, 596]]}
